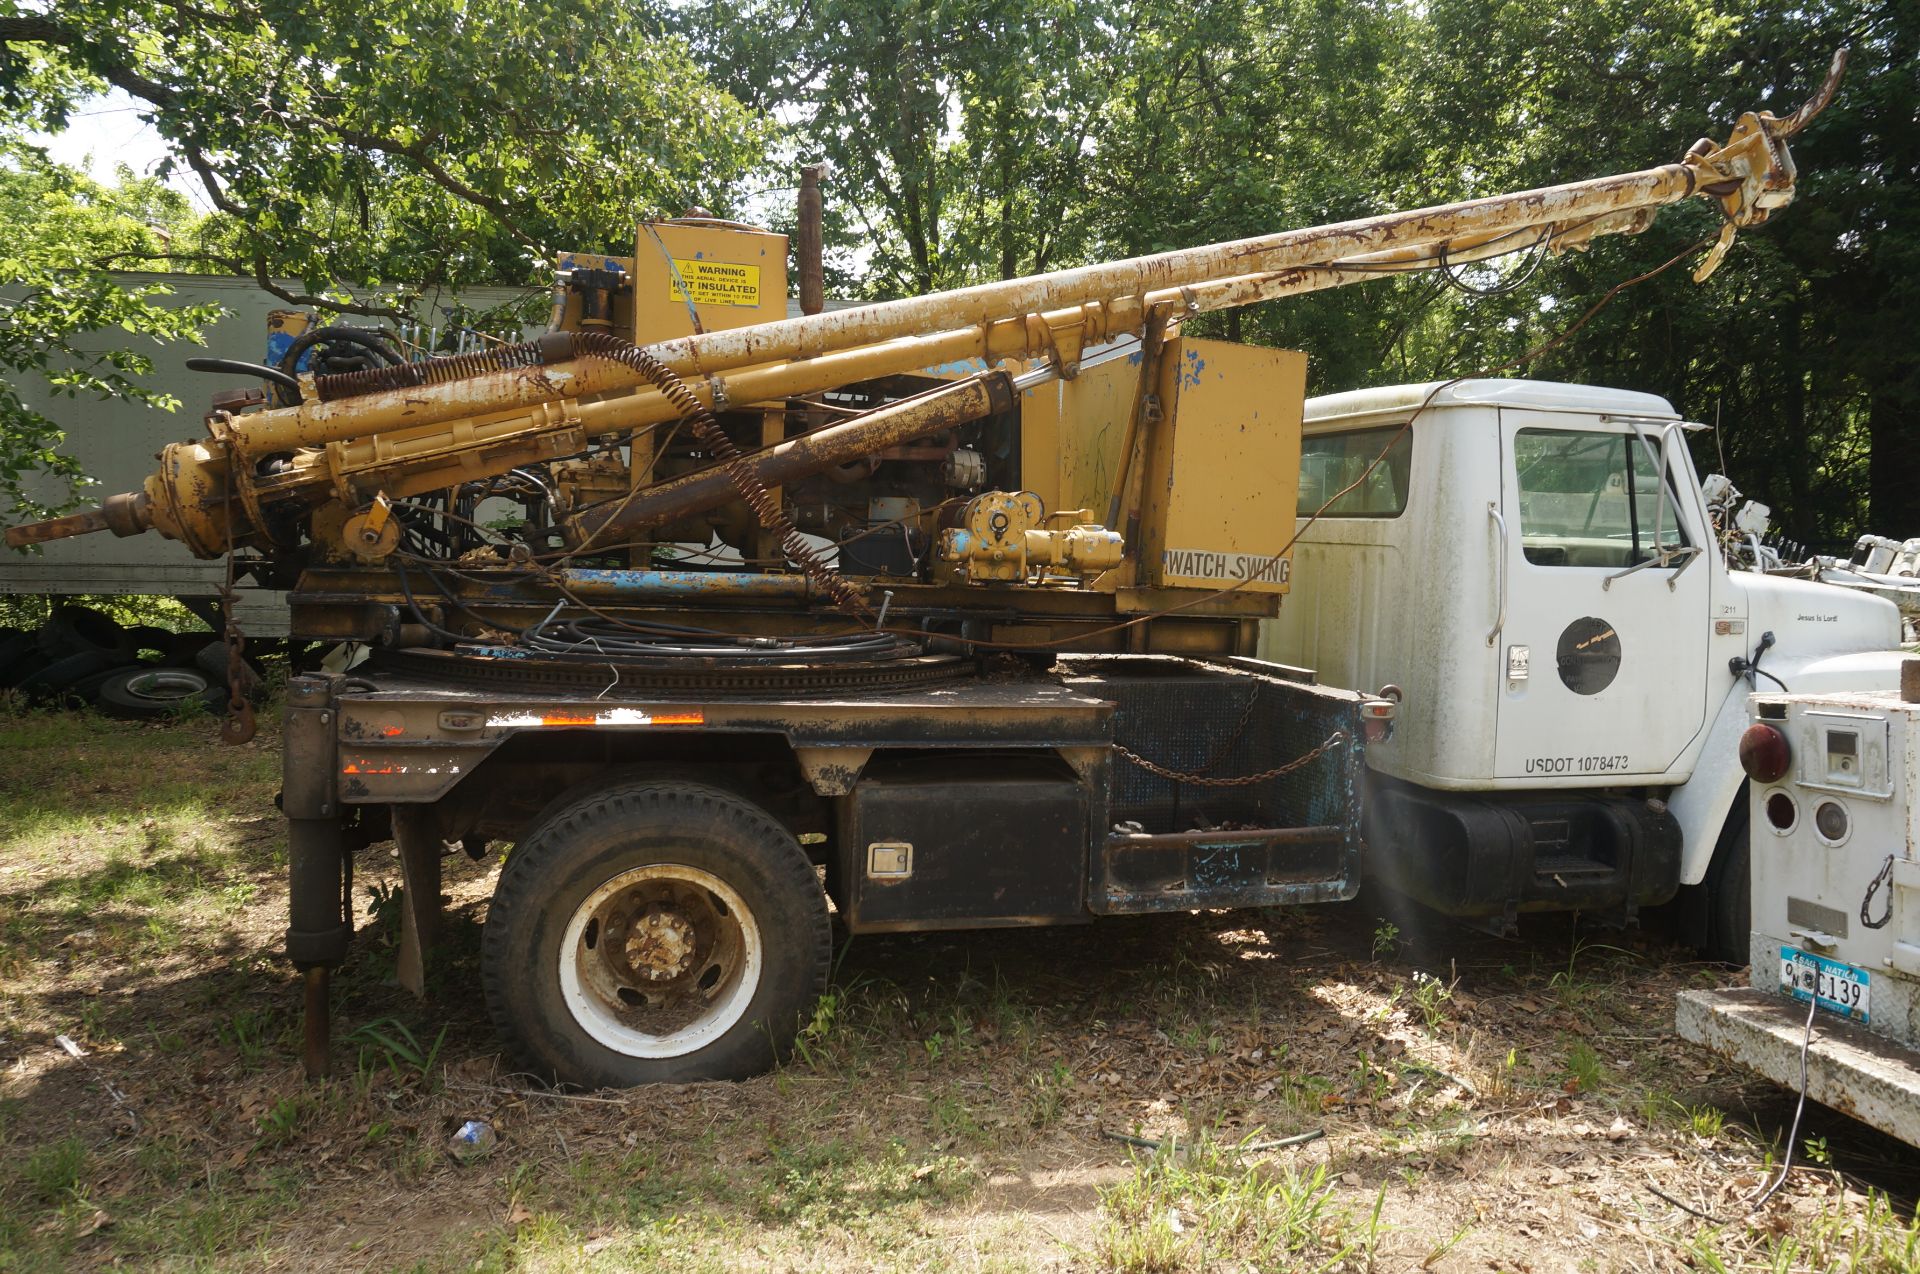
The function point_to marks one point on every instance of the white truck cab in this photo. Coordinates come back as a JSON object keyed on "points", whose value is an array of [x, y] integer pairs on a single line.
{"points": [[1533, 566]]}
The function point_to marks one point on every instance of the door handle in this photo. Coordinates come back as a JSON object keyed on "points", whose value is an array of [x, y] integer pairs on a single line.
{"points": [[1500, 565]]}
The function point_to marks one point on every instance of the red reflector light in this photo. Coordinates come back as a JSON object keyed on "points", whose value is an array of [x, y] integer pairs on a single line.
{"points": [[1764, 754]]}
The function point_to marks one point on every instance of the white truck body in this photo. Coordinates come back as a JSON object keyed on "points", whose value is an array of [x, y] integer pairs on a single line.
{"points": [[1836, 912], [1496, 569]]}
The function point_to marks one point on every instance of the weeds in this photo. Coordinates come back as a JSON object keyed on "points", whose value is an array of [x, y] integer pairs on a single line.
{"points": [[1584, 1069], [55, 1170], [407, 1059], [1431, 996], [1047, 1094], [252, 1033], [281, 1121], [1201, 1207]]}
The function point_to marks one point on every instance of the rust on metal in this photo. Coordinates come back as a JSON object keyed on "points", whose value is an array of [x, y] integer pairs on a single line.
{"points": [[85, 522], [921, 416], [317, 1021]]}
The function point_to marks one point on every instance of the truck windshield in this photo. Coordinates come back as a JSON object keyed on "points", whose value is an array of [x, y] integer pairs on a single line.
{"points": [[1329, 463], [1590, 499]]}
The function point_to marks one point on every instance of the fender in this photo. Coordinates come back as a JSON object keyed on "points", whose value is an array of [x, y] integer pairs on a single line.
{"points": [[1702, 803]]}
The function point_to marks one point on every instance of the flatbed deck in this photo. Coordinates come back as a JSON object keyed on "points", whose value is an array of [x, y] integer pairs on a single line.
{"points": [[1849, 1068]]}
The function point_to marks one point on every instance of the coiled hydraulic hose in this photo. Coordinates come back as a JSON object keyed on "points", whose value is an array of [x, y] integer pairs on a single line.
{"points": [[696, 415]]}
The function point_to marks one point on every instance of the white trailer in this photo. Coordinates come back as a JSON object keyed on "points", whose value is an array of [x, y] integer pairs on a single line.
{"points": [[1534, 569]]}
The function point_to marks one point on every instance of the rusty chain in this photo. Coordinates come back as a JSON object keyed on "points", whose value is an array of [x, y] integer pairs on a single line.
{"points": [[1334, 740]]}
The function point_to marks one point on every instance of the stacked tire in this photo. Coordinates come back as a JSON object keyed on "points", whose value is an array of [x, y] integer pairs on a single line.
{"points": [[84, 657]]}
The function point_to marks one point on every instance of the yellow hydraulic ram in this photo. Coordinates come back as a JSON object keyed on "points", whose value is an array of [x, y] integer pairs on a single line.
{"points": [[431, 425]]}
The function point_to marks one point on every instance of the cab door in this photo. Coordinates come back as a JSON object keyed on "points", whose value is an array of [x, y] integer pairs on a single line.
{"points": [[1602, 648]]}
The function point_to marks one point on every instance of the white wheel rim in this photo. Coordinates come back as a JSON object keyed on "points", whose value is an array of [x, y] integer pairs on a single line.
{"points": [[652, 990], [166, 686]]}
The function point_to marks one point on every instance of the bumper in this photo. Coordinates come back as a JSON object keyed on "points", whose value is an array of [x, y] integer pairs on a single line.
{"points": [[1848, 1068], [1497, 853]]}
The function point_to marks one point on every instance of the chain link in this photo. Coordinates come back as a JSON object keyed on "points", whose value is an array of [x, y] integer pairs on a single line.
{"points": [[1866, 904], [1334, 740]]}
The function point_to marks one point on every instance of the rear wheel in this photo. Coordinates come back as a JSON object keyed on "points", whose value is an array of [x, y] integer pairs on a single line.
{"points": [[654, 932]]}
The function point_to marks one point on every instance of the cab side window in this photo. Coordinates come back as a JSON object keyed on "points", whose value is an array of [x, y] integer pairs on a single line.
{"points": [[1591, 499], [1332, 463]]}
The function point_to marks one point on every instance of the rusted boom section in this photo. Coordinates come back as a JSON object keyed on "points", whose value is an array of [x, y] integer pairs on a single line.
{"points": [[890, 426], [518, 405]]}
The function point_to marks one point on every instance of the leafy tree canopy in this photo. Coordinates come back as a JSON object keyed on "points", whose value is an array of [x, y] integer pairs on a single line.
{"points": [[398, 141]]}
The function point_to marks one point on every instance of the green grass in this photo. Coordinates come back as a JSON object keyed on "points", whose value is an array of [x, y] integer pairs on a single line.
{"points": [[944, 1110], [1872, 1240], [1201, 1206]]}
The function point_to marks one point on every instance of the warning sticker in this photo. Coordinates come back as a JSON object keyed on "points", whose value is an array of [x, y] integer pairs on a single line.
{"points": [[714, 283], [1224, 568]]}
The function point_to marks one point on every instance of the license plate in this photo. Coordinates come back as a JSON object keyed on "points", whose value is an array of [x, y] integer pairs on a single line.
{"points": [[1839, 987]]}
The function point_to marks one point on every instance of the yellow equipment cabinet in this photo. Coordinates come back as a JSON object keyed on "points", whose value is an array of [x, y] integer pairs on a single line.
{"points": [[1223, 473], [722, 275]]}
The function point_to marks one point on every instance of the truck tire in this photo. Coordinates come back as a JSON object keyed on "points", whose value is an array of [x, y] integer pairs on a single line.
{"points": [[1729, 892], [144, 692], [75, 629], [720, 943], [49, 681]]}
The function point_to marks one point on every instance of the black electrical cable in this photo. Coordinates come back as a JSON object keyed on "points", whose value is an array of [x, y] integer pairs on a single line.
{"points": [[1513, 283], [604, 639], [239, 367], [1800, 1108]]}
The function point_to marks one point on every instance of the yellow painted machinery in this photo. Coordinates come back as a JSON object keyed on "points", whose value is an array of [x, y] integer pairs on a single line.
{"points": [[685, 598]]}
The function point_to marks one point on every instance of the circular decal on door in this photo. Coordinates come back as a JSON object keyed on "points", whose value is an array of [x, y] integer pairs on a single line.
{"points": [[1589, 655]]}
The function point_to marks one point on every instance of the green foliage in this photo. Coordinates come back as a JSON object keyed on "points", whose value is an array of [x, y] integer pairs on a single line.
{"points": [[1201, 1206], [415, 141], [62, 318], [56, 1169], [408, 1059]]}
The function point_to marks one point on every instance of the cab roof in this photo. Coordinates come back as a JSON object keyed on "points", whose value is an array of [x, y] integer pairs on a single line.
{"points": [[1393, 403]]}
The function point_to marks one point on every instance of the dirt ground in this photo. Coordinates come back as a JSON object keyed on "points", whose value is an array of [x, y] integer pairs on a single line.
{"points": [[1084, 1098]]}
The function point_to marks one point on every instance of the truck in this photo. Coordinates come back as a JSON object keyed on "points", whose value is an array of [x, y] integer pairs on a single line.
{"points": [[1832, 1005], [944, 609], [1537, 575]]}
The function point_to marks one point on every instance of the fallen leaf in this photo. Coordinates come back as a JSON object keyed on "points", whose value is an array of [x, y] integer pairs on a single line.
{"points": [[519, 1215]]}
